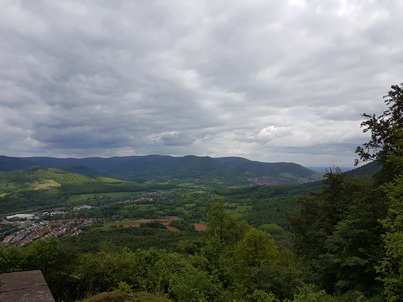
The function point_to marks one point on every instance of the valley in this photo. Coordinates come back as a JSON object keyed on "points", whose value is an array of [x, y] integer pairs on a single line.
{"points": [[45, 195], [105, 226]]}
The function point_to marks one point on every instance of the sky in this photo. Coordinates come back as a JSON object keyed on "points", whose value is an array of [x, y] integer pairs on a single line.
{"points": [[268, 80]]}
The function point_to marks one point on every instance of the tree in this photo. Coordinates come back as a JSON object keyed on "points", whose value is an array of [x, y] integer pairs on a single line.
{"points": [[256, 248], [385, 132], [228, 229], [354, 248], [11, 259], [338, 233], [48, 255], [183, 282], [320, 212], [386, 146], [104, 271], [260, 268], [391, 267]]}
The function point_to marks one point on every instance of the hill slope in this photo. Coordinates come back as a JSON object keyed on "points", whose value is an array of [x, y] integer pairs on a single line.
{"points": [[158, 168]]}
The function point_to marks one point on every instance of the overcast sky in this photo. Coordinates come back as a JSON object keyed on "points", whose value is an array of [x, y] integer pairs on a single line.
{"points": [[267, 80]]}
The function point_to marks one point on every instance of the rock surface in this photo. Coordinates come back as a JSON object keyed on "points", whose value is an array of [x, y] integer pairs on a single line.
{"points": [[26, 286]]}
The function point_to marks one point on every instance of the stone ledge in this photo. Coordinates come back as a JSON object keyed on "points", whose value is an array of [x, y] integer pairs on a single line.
{"points": [[29, 286]]}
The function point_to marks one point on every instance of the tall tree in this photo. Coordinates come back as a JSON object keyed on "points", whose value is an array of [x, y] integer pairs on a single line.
{"points": [[391, 267], [384, 130], [228, 229], [338, 233], [320, 212], [355, 246], [386, 146]]}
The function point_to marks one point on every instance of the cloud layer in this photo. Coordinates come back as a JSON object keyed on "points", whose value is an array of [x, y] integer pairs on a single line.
{"points": [[267, 80]]}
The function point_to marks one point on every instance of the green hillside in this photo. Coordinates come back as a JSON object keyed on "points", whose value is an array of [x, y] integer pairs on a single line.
{"points": [[203, 171], [35, 179], [39, 189]]}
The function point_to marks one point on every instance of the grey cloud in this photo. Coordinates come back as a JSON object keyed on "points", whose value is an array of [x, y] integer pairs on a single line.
{"points": [[172, 138], [76, 137], [192, 77]]}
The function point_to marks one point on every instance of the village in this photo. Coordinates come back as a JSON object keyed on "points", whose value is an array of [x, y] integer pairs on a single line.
{"points": [[48, 228]]}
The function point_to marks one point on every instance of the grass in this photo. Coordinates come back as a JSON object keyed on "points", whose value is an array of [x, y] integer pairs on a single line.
{"points": [[238, 210], [46, 185], [95, 197], [51, 191], [110, 180]]}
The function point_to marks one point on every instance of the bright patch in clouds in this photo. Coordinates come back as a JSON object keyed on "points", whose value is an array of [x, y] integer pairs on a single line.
{"points": [[273, 132]]}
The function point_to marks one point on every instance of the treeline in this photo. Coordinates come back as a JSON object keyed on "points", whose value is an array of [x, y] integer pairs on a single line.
{"points": [[32, 201], [99, 187]]}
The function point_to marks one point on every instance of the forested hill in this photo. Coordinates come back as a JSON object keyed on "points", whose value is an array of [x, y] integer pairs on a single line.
{"points": [[229, 170], [365, 171]]}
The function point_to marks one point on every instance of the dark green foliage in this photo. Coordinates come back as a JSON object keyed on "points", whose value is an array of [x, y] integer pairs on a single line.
{"points": [[133, 238], [320, 212], [103, 271], [57, 263], [154, 225], [391, 267], [126, 297], [258, 264], [30, 200], [281, 236], [185, 282], [355, 246], [268, 204], [310, 294], [101, 187], [385, 132], [338, 232], [183, 225], [247, 261], [226, 228], [386, 146], [153, 271], [366, 171]]}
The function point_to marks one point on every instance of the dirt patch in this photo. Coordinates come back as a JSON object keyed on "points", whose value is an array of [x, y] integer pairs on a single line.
{"points": [[132, 226], [171, 228], [200, 227], [165, 221]]}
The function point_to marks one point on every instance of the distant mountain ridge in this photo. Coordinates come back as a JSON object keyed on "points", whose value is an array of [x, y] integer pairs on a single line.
{"points": [[157, 168]]}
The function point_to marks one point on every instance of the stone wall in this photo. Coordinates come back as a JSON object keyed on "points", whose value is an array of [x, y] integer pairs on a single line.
{"points": [[29, 286]]}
